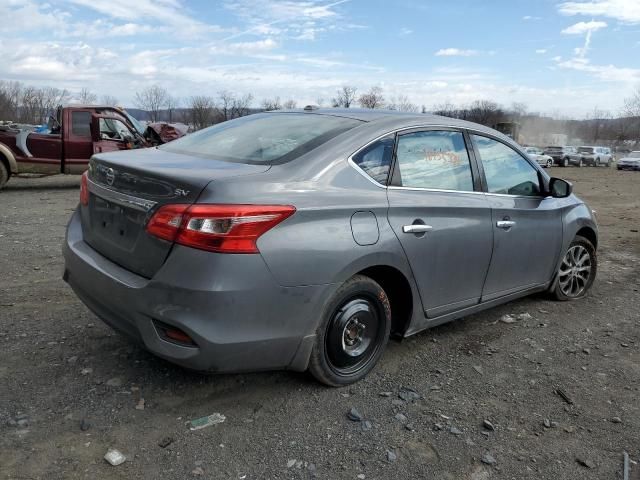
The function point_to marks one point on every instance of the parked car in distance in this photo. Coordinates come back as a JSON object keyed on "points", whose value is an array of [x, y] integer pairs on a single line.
{"points": [[630, 162], [537, 155], [561, 155], [303, 240], [592, 156]]}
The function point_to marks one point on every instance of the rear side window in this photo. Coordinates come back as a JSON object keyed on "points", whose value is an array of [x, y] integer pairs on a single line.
{"points": [[375, 159], [435, 160], [263, 138], [506, 171], [81, 124]]}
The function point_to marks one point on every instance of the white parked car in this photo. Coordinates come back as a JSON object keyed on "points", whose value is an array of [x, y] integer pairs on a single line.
{"points": [[630, 162], [537, 155], [594, 156]]}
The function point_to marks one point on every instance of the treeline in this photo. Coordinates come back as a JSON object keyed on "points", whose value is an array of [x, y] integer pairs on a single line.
{"points": [[27, 104]]}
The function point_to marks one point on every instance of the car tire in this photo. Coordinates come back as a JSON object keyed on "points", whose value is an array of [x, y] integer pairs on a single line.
{"points": [[565, 162], [549, 163], [353, 333], [580, 163], [573, 280], [4, 174]]}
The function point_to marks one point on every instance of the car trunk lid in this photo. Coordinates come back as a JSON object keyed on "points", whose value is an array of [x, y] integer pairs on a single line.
{"points": [[126, 188]]}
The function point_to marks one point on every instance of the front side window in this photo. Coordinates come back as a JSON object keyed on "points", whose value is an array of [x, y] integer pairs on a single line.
{"points": [[506, 171], [375, 159], [113, 129], [435, 160], [81, 124], [263, 138]]}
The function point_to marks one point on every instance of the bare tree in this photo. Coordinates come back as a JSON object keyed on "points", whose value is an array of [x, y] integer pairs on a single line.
{"points": [[269, 104], [290, 104], [172, 104], [203, 111], [518, 109], [631, 109], [241, 105], [402, 104], [320, 102], [345, 97], [10, 93], [86, 97], [484, 112], [372, 99], [446, 109], [109, 100], [596, 121], [152, 99]]}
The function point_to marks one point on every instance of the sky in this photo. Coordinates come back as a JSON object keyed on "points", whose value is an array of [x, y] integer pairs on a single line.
{"points": [[562, 58]]}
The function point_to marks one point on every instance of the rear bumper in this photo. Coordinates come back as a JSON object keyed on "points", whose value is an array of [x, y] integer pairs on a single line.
{"points": [[230, 305]]}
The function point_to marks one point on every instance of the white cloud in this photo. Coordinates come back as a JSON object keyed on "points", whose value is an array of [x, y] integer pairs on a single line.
{"points": [[456, 52], [541, 50], [607, 73], [530, 17], [404, 31], [624, 10], [584, 27], [244, 48]]}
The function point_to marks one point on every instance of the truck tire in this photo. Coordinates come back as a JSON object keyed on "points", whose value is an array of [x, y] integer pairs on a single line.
{"points": [[4, 173]]}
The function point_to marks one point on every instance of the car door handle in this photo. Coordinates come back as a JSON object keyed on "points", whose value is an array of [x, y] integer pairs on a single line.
{"points": [[417, 228], [506, 224]]}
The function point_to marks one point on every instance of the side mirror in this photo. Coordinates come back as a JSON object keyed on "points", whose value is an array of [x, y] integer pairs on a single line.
{"points": [[559, 188]]}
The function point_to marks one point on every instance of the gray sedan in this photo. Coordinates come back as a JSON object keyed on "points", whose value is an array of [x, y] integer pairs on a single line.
{"points": [[303, 240]]}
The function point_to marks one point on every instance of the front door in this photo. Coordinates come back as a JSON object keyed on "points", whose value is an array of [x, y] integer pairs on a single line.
{"points": [[527, 225], [78, 145], [441, 218]]}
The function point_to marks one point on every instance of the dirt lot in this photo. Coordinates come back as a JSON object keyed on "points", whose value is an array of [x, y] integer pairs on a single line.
{"points": [[69, 386]]}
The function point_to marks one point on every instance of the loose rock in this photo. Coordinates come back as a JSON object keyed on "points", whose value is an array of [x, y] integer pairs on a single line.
{"points": [[165, 442], [616, 420], [408, 394], [488, 425], [455, 431], [585, 462], [114, 457], [391, 456], [488, 459], [354, 415]]}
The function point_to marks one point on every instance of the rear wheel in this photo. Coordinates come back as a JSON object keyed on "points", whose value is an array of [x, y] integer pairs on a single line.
{"points": [[577, 271], [580, 163], [4, 174], [565, 162], [549, 163], [353, 333]]}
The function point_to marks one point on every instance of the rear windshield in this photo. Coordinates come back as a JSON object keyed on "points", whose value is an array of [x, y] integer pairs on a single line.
{"points": [[585, 149], [554, 148], [263, 138]]}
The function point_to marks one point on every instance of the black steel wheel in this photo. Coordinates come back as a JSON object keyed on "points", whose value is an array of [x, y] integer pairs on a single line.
{"points": [[353, 334], [577, 270]]}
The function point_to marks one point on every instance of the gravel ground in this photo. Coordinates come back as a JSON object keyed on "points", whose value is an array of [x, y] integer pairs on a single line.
{"points": [[70, 388]]}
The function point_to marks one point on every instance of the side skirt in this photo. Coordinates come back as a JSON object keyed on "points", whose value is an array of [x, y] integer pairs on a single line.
{"points": [[476, 308]]}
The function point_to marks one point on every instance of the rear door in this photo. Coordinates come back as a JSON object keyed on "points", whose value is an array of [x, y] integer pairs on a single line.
{"points": [[527, 225], [441, 218]]}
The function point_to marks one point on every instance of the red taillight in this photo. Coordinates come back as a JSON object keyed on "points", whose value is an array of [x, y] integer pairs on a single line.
{"points": [[84, 189], [217, 228]]}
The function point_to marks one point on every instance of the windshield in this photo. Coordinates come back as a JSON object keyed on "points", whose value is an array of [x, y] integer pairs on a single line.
{"points": [[263, 138], [553, 148], [634, 155], [136, 124], [585, 149]]}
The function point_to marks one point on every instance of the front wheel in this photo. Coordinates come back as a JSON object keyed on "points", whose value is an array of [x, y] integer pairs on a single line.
{"points": [[565, 162], [353, 334], [549, 163], [577, 271]]}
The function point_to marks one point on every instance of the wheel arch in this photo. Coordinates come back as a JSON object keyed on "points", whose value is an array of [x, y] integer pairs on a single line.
{"points": [[6, 157], [590, 234], [398, 289]]}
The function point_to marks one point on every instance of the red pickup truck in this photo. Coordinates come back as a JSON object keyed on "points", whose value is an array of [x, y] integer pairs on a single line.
{"points": [[74, 135]]}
